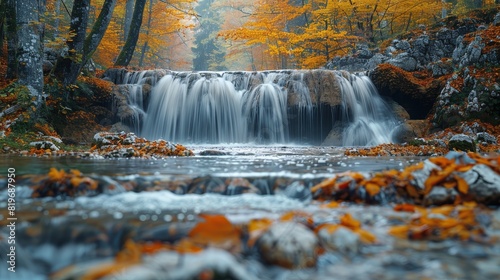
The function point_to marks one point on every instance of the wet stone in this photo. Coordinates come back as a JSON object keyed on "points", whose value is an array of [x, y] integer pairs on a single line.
{"points": [[440, 195], [240, 186], [288, 244], [342, 240], [172, 265], [212, 153], [484, 184], [296, 190]]}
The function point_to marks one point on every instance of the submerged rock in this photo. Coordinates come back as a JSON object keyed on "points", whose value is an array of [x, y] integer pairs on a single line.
{"points": [[342, 239], [288, 244]]}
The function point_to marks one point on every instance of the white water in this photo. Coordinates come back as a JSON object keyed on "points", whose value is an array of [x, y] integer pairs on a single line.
{"points": [[255, 107]]}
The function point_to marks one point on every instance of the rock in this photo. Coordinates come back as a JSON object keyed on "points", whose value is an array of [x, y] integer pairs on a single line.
{"points": [[120, 127], [421, 175], [409, 130], [44, 145], [440, 195], [288, 244], [213, 153], [486, 138], [209, 264], [342, 239], [237, 186], [334, 138], [484, 184], [405, 89], [462, 142], [296, 190], [496, 21], [440, 68], [404, 61], [402, 45]]}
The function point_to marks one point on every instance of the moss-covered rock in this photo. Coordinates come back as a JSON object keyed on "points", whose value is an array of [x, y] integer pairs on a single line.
{"points": [[462, 142]]}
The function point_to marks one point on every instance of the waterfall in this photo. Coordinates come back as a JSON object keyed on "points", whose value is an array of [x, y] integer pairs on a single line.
{"points": [[287, 106], [370, 119]]}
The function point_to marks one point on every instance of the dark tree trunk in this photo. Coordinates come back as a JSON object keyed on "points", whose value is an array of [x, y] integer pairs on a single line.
{"points": [[3, 8], [128, 49], [11, 35], [94, 38], [129, 10], [29, 48], [68, 68], [148, 28]]}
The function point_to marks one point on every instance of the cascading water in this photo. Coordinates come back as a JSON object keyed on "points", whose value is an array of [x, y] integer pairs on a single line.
{"points": [[370, 119], [266, 107]]}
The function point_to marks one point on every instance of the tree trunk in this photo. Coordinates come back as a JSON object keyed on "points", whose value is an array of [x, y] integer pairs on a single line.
{"points": [[29, 48], [3, 8], [148, 28], [68, 68], [94, 38], [11, 39], [128, 50], [129, 10], [57, 20]]}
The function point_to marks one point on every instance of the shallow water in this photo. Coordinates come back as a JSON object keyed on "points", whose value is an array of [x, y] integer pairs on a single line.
{"points": [[53, 233], [238, 161]]}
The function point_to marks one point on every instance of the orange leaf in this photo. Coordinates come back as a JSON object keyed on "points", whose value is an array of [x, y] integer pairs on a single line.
{"points": [[437, 177], [405, 207], [76, 172], [331, 228], [372, 188], [366, 236], [216, 231], [331, 204], [400, 231], [56, 175], [412, 191], [325, 184], [441, 161], [187, 246], [298, 216], [256, 228], [348, 221], [450, 184], [462, 185]]}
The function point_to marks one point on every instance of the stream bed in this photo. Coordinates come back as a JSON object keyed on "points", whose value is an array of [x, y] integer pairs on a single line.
{"points": [[160, 201]]}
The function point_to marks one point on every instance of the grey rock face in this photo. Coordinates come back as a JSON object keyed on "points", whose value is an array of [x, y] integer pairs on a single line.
{"points": [[404, 61]]}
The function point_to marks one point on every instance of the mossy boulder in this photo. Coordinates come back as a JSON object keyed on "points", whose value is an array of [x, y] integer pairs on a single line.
{"points": [[462, 142]]}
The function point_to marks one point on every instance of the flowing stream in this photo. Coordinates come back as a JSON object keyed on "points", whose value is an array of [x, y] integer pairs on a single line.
{"points": [[255, 131]]}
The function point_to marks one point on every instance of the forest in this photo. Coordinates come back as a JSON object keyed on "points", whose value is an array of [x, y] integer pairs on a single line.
{"points": [[51, 48]]}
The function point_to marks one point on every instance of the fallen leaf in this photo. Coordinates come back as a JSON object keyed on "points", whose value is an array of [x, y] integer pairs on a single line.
{"points": [[216, 231], [348, 221], [404, 207], [372, 188], [462, 185], [256, 227]]}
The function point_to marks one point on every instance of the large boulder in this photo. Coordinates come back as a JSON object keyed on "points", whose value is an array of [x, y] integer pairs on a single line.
{"points": [[416, 96]]}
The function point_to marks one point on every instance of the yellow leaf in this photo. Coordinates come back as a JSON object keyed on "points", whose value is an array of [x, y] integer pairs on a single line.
{"points": [[372, 188], [462, 185]]}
